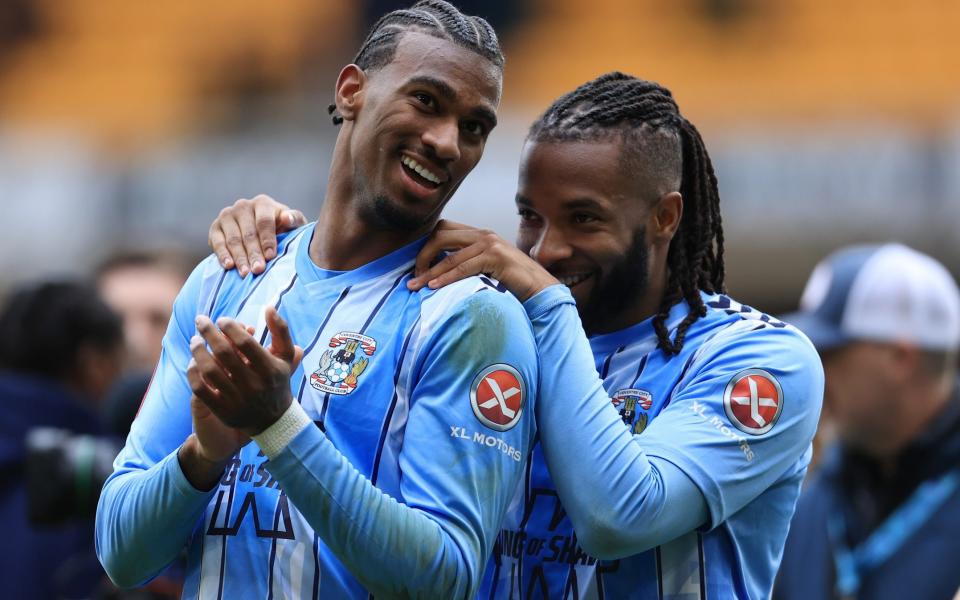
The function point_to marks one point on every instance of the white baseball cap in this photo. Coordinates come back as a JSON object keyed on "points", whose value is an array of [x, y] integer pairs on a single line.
{"points": [[887, 293]]}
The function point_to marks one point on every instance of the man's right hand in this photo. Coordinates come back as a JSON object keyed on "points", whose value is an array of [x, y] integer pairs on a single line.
{"points": [[208, 450], [245, 235]]}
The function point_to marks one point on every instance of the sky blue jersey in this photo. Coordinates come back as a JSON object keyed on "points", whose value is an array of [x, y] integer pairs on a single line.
{"points": [[424, 410], [730, 419]]}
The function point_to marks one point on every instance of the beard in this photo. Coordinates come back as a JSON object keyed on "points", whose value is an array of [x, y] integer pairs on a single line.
{"points": [[386, 214], [617, 289], [383, 212]]}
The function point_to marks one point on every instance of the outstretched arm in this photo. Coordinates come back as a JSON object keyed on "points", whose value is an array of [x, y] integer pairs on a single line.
{"points": [[690, 468], [594, 460], [592, 457]]}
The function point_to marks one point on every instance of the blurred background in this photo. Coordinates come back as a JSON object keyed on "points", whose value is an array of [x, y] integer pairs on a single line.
{"points": [[125, 127], [125, 123]]}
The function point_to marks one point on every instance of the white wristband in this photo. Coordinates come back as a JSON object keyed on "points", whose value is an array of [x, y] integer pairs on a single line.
{"points": [[275, 438]]}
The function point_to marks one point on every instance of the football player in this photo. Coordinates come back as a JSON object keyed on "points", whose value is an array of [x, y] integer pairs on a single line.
{"points": [[384, 461]]}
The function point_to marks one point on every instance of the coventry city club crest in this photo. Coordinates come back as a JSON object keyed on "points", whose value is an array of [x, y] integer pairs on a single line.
{"points": [[342, 364], [630, 401]]}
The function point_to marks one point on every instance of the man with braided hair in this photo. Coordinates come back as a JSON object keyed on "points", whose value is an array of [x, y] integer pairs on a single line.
{"points": [[336, 476], [684, 484]]}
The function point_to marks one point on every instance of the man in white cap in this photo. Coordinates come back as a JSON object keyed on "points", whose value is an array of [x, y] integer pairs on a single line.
{"points": [[881, 519]]}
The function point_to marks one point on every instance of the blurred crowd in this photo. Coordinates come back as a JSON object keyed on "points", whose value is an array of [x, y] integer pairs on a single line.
{"points": [[880, 513], [76, 357]]}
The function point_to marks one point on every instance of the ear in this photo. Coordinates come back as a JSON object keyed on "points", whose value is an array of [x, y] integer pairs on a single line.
{"points": [[666, 215], [349, 93]]}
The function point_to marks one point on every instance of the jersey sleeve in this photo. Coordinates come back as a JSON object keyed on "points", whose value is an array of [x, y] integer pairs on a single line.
{"points": [[147, 509], [459, 464], [621, 502], [743, 415], [692, 466]]}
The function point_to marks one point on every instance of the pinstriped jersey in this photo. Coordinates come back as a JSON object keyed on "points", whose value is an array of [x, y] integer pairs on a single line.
{"points": [[429, 395], [733, 410]]}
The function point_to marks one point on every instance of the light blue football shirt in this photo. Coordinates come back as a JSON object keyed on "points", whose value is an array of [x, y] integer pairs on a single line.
{"points": [[424, 411], [735, 412]]}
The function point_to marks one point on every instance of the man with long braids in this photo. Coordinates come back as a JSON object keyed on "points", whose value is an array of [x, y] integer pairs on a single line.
{"points": [[352, 484], [683, 486]]}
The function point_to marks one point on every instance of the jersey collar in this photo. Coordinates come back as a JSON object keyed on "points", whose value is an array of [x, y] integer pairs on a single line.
{"points": [[638, 333], [309, 272]]}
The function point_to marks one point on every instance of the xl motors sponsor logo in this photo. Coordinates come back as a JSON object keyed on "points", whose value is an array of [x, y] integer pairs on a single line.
{"points": [[717, 423], [485, 439], [497, 396]]}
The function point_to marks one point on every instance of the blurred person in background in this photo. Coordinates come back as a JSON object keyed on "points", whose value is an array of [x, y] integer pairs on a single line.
{"points": [[880, 519], [140, 286], [61, 348]]}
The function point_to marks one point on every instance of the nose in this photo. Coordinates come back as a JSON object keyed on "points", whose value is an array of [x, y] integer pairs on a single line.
{"points": [[550, 247], [444, 138]]}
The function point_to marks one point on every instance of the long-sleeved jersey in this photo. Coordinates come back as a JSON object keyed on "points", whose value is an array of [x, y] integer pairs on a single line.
{"points": [[685, 482], [424, 411]]}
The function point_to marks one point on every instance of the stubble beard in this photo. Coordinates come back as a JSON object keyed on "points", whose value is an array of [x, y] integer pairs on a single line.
{"points": [[623, 285], [385, 214]]}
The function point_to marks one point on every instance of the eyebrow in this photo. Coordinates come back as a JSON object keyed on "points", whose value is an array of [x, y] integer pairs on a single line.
{"points": [[584, 203], [450, 95], [574, 204], [441, 86]]}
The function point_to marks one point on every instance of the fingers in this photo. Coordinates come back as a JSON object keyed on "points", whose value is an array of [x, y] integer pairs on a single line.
{"points": [[297, 357], [451, 266], [245, 234], [447, 225], [290, 219], [265, 220], [218, 243], [250, 237], [441, 240], [458, 269], [227, 221], [223, 351], [207, 379], [255, 358], [281, 343]]}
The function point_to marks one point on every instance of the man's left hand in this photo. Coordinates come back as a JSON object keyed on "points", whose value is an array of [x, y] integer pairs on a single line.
{"points": [[475, 251], [244, 384]]}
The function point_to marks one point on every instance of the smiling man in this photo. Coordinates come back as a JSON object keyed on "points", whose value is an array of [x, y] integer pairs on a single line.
{"points": [[384, 461], [673, 441]]}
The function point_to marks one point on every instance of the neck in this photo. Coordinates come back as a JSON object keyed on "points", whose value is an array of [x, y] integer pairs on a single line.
{"points": [[344, 238]]}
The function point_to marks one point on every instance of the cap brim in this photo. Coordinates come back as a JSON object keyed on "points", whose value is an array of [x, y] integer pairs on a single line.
{"points": [[824, 335]]}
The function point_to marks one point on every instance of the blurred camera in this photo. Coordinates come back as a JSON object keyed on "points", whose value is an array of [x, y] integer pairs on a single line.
{"points": [[65, 473]]}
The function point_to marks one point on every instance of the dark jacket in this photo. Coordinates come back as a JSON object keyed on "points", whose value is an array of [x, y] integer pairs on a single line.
{"points": [[850, 489], [40, 562]]}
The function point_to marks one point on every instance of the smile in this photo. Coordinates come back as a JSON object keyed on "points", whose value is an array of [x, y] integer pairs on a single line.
{"points": [[420, 171], [572, 280]]}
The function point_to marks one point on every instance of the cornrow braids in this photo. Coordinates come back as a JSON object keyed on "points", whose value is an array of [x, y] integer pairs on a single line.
{"points": [[433, 17], [647, 118]]}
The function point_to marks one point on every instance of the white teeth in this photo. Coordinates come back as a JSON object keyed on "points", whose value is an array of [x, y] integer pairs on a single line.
{"points": [[572, 280], [420, 169]]}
